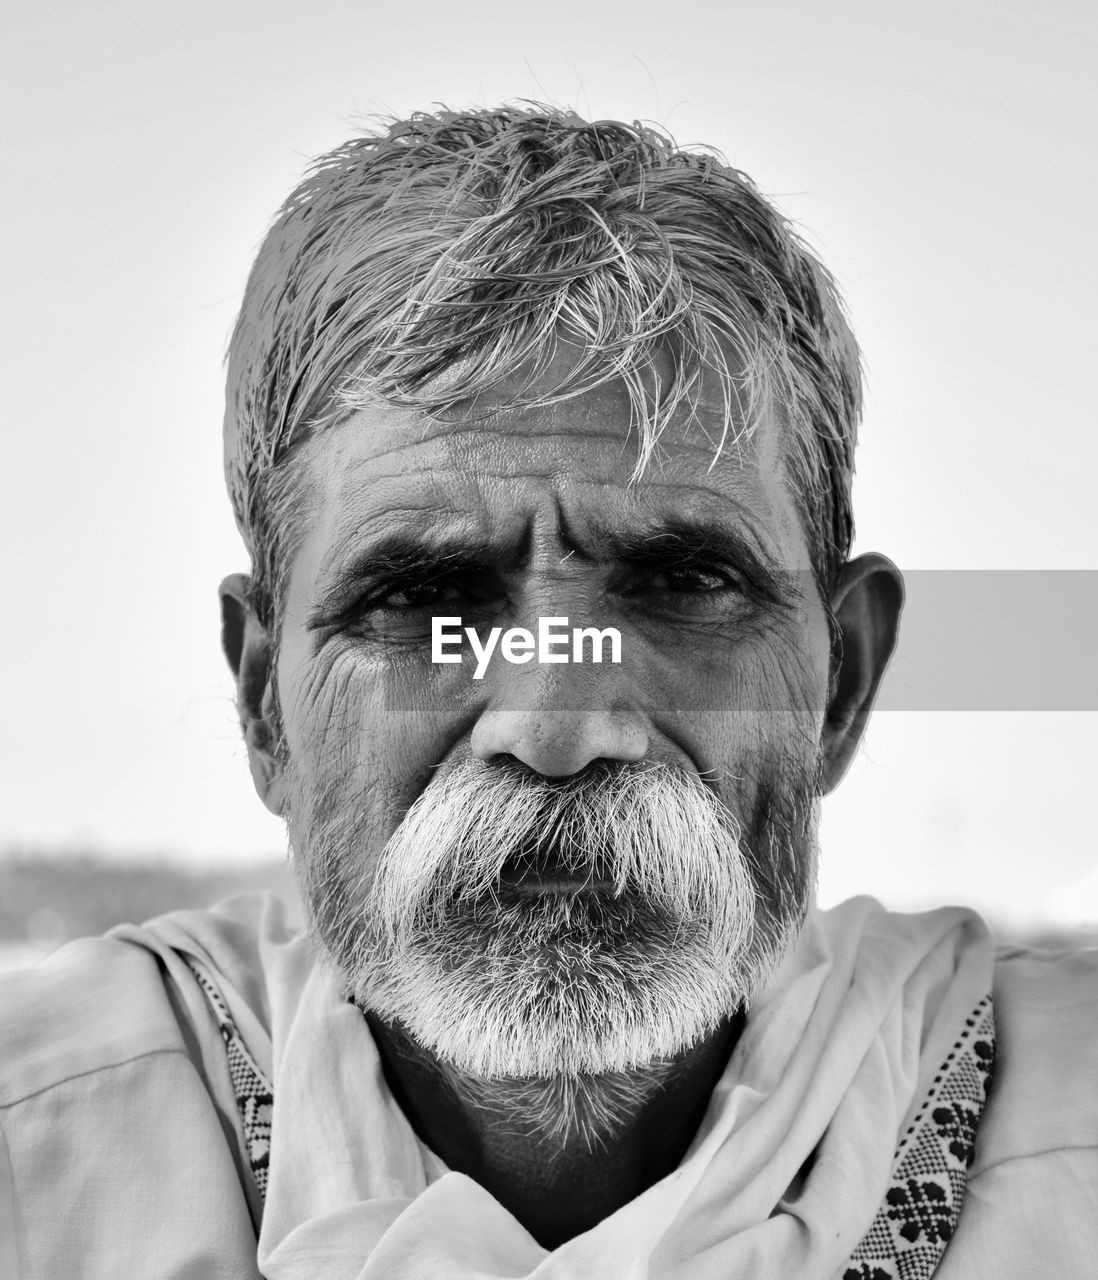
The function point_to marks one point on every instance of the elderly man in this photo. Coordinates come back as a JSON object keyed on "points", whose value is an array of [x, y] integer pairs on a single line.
{"points": [[540, 435]]}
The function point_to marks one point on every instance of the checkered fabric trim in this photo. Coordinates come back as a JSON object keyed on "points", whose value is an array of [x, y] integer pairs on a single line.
{"points": [[923, 1202], [252, 1089]]}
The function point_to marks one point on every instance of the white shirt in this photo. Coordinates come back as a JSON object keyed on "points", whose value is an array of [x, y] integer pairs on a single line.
{"points": [[121, 1152]]}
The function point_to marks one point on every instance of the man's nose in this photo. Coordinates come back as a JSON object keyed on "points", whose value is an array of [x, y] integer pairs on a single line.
{"points": [[558, 727]]}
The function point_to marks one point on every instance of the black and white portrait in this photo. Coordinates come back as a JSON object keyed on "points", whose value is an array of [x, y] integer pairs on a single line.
{"points": [[549, 635]]}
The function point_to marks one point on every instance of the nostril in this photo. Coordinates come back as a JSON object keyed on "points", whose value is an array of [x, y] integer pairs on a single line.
{"points": [[559, 744]]}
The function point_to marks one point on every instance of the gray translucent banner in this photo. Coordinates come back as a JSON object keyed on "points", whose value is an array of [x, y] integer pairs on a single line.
{"points": [[996, 640], [970, 640]]}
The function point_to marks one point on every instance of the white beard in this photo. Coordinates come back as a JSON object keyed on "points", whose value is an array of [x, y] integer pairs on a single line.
{"points": [[506, 986]]}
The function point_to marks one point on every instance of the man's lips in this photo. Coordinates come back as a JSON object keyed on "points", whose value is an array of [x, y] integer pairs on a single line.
{"points": [[550, 873]]}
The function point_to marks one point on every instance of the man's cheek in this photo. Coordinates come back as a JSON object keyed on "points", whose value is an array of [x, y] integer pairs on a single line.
{"points": [[771, 714], [363, 766], [326, 706], [783, 686]]}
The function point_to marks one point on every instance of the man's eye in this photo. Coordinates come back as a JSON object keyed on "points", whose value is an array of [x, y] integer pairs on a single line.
{"points": [[403, 610], [687, 591], [692, 581], [425, 595]]}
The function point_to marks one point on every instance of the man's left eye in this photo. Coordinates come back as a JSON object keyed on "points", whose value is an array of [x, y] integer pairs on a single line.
{"points": [[692, 581]]}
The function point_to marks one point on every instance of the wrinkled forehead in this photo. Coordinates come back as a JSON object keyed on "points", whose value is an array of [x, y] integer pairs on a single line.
{"points": [[493, 470], [596, 439], [667, 411]]}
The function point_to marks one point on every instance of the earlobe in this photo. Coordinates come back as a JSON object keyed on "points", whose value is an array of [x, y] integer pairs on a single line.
{"points": [[866, 603], [249, 653]]}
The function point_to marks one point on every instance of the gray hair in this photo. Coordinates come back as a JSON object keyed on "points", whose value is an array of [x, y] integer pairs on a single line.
{"points": [[471, 244]]}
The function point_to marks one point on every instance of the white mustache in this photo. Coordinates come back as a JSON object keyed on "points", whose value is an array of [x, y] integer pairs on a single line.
{"points": [[653, 830]]}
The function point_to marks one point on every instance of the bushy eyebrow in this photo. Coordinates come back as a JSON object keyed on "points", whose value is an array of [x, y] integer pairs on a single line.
{"points": [[672, 542], [681, 542], [405, 557]]}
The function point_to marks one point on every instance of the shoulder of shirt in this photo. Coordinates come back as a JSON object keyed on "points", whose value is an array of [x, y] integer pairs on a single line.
{"points": [[1042, 1096], [94, 1004], [245, 942], [97, 1003]]}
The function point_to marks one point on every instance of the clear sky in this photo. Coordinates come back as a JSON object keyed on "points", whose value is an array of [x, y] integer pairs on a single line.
{"points": [[940, 156]]}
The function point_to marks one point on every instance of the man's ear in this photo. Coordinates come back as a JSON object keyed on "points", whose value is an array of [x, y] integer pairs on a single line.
{"points": [[248, 649], [867, 603]]}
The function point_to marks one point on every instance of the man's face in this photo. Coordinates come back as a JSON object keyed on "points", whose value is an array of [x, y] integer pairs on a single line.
{"points": [[571, 951]]}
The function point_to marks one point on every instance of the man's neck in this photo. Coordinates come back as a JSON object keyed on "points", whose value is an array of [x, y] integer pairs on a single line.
{"points": [[560, 1155]]}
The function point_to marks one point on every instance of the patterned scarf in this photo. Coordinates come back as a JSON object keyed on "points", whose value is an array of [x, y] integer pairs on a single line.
{"points": [[921, 1206]]}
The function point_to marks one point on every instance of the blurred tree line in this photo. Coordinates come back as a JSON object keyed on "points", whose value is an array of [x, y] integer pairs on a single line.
{"points": [[48, 898]]}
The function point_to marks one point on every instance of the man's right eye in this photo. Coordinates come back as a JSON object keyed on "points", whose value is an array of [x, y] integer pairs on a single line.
{"points": [[426, 595], [402, 611]]}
